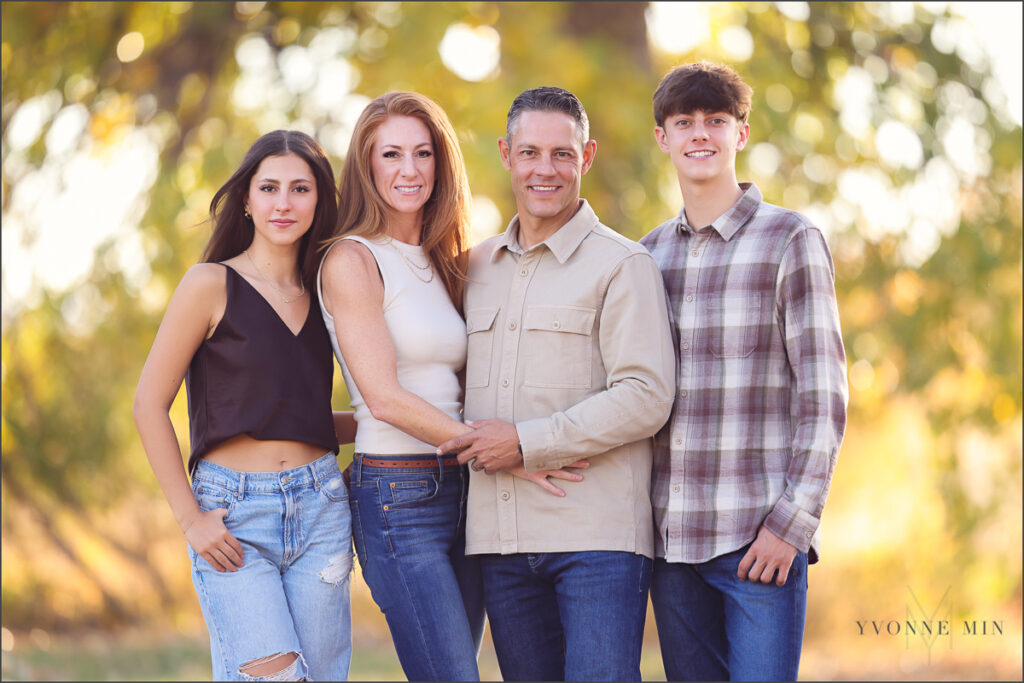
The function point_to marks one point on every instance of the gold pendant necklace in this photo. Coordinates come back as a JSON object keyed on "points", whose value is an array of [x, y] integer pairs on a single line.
{"points": [[414, 267], [271, 282]]}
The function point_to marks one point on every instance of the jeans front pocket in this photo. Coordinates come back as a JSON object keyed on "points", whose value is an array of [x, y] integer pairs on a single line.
{"points": [[407, 491], [210, 496]]}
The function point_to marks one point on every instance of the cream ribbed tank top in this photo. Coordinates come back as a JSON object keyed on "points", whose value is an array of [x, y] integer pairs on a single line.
{"points": [[429, 337]]}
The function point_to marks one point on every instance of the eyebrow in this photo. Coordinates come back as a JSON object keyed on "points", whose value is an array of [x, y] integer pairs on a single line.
{"points": [[278, 182], [418, 145]]}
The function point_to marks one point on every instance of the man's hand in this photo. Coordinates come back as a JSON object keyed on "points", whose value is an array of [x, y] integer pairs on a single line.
{"points": [[767, 553], [493, 443], [541, 478]]}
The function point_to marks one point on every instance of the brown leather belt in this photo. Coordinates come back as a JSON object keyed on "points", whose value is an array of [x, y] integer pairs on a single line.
{"points": [[448, 460]]}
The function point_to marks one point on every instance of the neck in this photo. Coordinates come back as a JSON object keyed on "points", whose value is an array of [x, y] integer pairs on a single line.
{"points": [[406, 228], [279, 262], [705, 202], [535, 229]]}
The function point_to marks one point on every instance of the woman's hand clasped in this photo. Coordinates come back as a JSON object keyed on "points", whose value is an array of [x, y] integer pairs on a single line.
{"points": [[213, 542], [540, 478]]}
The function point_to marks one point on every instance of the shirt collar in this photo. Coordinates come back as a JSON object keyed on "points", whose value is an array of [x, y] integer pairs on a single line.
{"points": [[730, 222], [561, 244]]}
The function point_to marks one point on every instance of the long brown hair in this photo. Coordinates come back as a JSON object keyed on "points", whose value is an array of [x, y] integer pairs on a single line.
{"points": [[233, 232], [364, 212]]}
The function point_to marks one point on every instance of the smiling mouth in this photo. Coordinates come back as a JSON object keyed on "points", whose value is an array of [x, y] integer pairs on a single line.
{"points": [[408, 190], [702, 154], [543, 188]]}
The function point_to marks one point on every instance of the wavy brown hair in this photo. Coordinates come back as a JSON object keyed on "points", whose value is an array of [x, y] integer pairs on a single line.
{"points": [[364, 212], [233, 232]]}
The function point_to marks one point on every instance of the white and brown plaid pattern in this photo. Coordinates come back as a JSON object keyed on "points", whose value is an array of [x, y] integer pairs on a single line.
{"points": [[761, 398]]}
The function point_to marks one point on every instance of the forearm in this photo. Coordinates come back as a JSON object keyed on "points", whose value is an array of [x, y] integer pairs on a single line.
{"points": [[413, 415], [627, 412], [164, 455], [344, 426]]}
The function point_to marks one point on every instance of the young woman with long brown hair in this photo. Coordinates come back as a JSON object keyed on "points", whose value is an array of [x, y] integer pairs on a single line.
{"points": [[266, 515]]}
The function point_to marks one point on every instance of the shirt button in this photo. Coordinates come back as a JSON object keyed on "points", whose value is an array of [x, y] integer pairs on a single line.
{"points": [[524, 272], [504, 382], [678, 442], [505, 495], [689, 298], [512, 325], [683, 393], [809, 534], [686, 345], [675, 489], [556, 325], [693, 253]]}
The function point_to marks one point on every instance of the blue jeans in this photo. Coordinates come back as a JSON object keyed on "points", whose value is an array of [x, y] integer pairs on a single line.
{"points": [[292, 592], [409, 529], [570, 616], [714, 627]]}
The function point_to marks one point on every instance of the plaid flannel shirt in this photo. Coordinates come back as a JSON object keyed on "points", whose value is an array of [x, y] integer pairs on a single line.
{"points": [[761, 399]]}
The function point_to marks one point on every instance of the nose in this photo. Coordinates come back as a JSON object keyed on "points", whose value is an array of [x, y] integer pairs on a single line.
{"points": [[284, 201], [546, 165], [699, 132], [408, 165]]}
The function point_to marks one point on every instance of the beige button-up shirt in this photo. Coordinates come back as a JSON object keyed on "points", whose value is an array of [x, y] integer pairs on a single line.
{"points": [[569, 340]]}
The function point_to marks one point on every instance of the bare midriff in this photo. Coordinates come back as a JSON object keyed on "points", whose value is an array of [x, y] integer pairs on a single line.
{"points": [[245, 454]]}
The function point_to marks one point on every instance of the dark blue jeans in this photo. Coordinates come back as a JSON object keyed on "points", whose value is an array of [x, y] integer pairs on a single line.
{"points": [[409, 531], [714, 627], [573, 616]]}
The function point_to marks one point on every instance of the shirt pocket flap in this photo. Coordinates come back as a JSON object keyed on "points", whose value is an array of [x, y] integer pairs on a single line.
{"points": [[480, 319], [560, 319]]}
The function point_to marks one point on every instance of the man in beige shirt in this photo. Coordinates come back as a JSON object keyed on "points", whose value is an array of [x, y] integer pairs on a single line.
{"points": [[571, 357]]}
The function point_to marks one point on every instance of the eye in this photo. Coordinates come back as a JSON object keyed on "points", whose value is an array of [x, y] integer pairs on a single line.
{"points": [[391, 154], [718, 121], [424, 154], [302, 188], [681, 123], [268, 188]]}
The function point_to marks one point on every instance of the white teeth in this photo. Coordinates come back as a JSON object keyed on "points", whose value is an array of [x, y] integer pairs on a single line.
{"points": [[544, 188], [699, 155], [408, 190]]}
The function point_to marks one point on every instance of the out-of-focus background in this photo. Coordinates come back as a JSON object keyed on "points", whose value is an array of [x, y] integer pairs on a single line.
{"points": [[895, 126]]}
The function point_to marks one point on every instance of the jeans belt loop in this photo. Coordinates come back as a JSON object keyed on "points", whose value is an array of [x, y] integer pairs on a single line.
{"points": [[440, 470], [315, 473], [241, 486]]}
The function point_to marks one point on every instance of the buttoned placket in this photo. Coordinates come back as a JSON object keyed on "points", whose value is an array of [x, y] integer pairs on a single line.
{"points": [[511, 335], [694, 245]]}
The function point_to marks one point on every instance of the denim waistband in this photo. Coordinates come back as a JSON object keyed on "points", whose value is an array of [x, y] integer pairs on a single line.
{"points": [[312, 474]]}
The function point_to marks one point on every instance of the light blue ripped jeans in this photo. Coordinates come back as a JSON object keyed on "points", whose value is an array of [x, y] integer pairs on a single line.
{"points": [[292, 593]]}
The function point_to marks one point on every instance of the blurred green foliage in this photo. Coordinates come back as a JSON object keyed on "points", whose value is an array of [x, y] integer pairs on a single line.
{"points": [[926, 235]]}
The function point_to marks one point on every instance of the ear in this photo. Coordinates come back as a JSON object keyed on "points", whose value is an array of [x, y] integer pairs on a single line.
{"points": [[743, 137], [505, 151], [661, 139], [589, 151]]}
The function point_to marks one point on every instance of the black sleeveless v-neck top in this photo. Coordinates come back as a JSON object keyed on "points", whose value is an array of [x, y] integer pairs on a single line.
{"points": [[254, 377]]}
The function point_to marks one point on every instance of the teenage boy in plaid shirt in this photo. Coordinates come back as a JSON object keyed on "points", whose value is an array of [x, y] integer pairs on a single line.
{"points": [[743, 467]]}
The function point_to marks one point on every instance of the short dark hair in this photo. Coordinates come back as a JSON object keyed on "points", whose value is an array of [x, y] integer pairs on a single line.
{"points": [[233, 232], [549, 98], [702, 86]]}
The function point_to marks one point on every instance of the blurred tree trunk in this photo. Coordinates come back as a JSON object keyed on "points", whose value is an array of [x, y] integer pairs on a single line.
{"points": [[622, 22]]}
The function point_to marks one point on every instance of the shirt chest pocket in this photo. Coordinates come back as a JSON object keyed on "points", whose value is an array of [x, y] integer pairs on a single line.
{"points": [[557, 346], [480, 335], [734, 325]]}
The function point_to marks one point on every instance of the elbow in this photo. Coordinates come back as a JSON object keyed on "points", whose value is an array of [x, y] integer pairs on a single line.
{"points": [[382, 410]]}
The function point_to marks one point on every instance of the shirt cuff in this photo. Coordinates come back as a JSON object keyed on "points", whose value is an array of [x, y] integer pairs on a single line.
{"points": [[792, 524], [534, 437]]}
